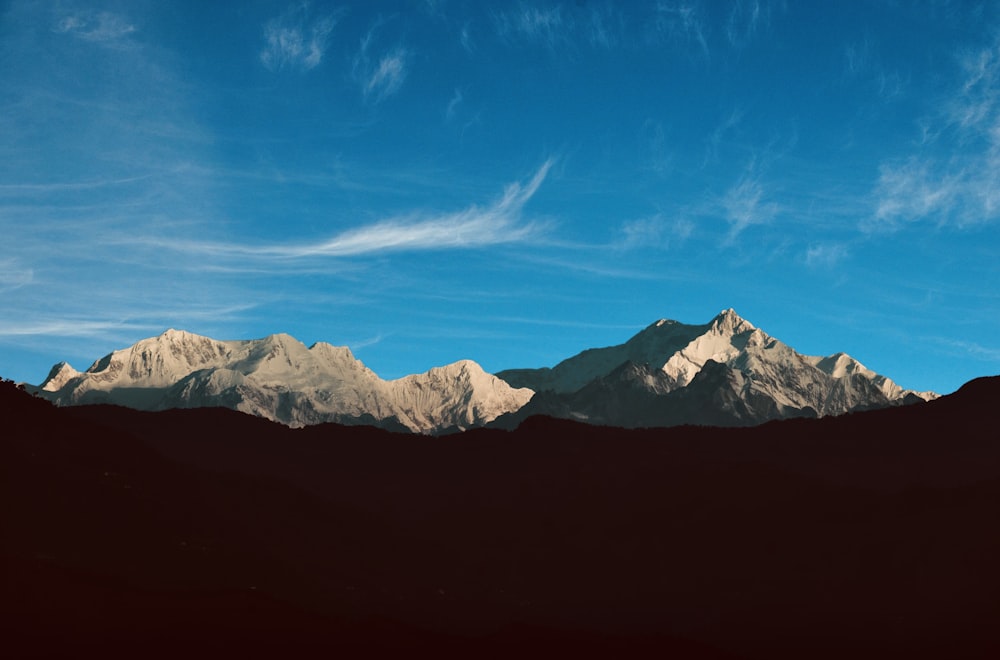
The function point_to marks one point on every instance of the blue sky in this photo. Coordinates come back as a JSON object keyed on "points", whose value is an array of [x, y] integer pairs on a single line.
{"points": [[429, 181]]}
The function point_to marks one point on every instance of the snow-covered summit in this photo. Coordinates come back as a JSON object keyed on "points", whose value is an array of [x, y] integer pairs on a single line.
{"points": [[278, 377], [728, 321], [727, 362], [768, 369], [59, 375], [159, 361]]}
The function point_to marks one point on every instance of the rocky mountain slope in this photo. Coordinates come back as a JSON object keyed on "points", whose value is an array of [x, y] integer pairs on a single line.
{"points": [[726, 372], [279, 378], [723, 373]]}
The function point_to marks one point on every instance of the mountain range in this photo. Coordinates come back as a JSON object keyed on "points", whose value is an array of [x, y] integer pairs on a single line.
{"points": [[723, 373], [281, 379]]}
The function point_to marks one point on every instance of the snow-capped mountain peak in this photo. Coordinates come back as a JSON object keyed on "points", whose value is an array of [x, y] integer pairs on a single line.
{"points": [[727, 336], [59, 375], [769, 376], [729, 322], [278, 377], [669, 372], [158, 361]]}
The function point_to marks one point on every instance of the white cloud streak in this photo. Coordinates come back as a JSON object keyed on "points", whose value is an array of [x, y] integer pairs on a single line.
{"points": [[108, 326], [963, 187], [67, 327], [974, 349], [604, 27], [293, 41], [456, 99], [387, 77], [356, 346], [13, 275], [545, 26], [745, 205], [746, 19], [380, 77], [683, 24], [105, 28], [825, 255], [498, 223], [862, 64], [716, 137], [909, 191], [654, 232], [465, 38], [858, 57]]}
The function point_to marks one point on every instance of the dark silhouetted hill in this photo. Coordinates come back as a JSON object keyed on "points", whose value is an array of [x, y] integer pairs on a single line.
{"points": [[203, 532]]}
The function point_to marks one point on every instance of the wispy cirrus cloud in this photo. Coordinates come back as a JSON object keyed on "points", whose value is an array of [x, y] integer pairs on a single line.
{"points": [[745, 204], [97, 331], [954, 178], [604, 27], [546, 25], [12, 189], [682, 23], [67, 327], [453, 104], [433, 7], [295, 40], [862, 63], [380, 76], [716, 137], [465, 37], [746, 19], [100, 27], [387, 77], [655, 231], [825, 255], [858, 57], [912, 190], [973, 349], [365, 343], [500, 222], [656, 155], [13, 275]]}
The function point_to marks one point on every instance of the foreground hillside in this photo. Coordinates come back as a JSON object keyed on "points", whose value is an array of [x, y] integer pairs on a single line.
{"points": [[206, 531]]}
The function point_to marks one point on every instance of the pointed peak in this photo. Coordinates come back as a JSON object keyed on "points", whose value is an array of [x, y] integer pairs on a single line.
{"points": [[172, 334], [58, 376], [629, 369], [59, 366], [728, 320], [281, 339], [325, 348], [459, 366], [841, 364]]}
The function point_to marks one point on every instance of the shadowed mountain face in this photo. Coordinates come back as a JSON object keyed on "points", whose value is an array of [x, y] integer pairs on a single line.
{"points": [[206, 531], [638, 396], [723, 373]]}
